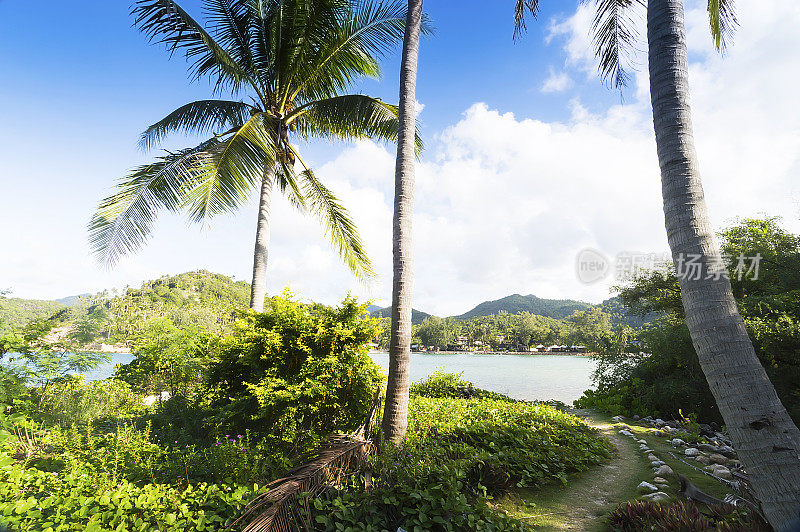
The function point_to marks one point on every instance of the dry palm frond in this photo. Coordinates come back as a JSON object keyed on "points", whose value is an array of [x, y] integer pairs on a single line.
{"points": [[281, 508]]}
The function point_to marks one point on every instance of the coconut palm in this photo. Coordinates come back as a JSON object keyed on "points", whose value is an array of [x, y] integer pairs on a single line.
{"points": [[767, 440], [284, 64], [395, 413]]}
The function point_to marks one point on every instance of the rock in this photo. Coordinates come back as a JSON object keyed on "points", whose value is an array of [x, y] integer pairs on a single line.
{"points": [[692, 451], [647, 451], [677, 442], [664, 471], [642, 441], [656, 497], [656, 463], [702, 459], [626, 432], [636, 417], [718, 459], [720, 471], [646, 487], [618, 419], [660, 480], [651, 456], [659, 422], [707, 448], [728, 451]]}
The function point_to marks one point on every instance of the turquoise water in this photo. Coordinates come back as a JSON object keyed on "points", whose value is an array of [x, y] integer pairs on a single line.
{"points": [[528, 377]]}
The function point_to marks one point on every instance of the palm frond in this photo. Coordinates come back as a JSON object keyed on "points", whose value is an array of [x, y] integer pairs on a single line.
{"points": [[351, 50], [226, 175], [230, 25], [282, 508], [532, 7], [614, 36], [339, 227], [348, 116], [202, 116], [123, 221], [164, 21], [722, 21]]}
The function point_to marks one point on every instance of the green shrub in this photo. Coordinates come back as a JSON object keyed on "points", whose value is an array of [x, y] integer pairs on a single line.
{"points": [[167, 359], [72, 399], [440, 384], [458, 452], [294, 373]]}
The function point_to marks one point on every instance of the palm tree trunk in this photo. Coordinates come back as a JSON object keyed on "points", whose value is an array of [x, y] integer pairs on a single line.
{"points": [[258, 289], [767, 440], [395, 413]]}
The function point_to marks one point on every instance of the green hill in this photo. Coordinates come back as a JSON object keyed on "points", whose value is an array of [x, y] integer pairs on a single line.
{"points": [[16, 312], [514, 304], [417, 316]]}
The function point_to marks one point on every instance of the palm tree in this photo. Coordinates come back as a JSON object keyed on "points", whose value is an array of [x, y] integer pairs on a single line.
{"points": [[291, 59], [767, 440], [395, 414]]}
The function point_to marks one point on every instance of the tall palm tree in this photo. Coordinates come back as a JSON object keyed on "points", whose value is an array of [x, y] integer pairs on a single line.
{"points": [[395, 414], [767, 440], [285, 63]]}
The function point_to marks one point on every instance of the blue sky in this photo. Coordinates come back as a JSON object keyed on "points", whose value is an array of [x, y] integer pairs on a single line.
{"points": [[529, 158]]}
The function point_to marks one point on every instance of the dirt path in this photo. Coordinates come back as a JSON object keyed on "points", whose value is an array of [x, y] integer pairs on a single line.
{"points": [[581, 504]]}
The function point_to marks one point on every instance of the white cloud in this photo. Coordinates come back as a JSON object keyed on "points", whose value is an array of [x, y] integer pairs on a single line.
{"points": [[504, 202], [557, 82]]}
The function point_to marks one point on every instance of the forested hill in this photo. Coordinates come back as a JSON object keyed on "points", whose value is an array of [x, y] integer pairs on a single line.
{"points": [[16, 312], [417, 316], [515, 304]]}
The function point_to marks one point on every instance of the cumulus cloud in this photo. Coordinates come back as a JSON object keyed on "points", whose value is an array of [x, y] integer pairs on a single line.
{"points": [[504, 202], [557, 82]]}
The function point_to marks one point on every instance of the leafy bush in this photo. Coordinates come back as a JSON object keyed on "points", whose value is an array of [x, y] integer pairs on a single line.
{"points": [[79, 499], [458, 452], [682, 516], [294, 373], [72, 399], [440, 384], [167, 359]]}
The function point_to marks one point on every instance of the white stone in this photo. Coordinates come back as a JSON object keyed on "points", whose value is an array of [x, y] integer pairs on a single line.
{"points": [[656, 497], [660, 480], [677, 442], [626, 432], [664, 471], [646, 487], [692, 451], [618, 419]]}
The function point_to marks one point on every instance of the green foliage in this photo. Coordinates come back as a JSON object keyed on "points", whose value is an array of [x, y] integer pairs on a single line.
{"points": [[684, 516], [73, 400], [669, 377], [79, 499], [459, 452], [295, 372], [167, 359], [15, 313], [440, 384]]}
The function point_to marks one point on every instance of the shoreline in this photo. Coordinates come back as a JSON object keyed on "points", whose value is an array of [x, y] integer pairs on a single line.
{"points": [[525, 353]]}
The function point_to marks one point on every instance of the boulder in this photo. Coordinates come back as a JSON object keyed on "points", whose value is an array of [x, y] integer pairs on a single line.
{"points": [[718, 459], [728, 451], [646, 487], [692, 451], [656, 497], [664, 471]]}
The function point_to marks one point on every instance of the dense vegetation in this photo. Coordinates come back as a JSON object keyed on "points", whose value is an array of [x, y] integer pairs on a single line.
{"points": [[668, 377], [245, 406]]}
